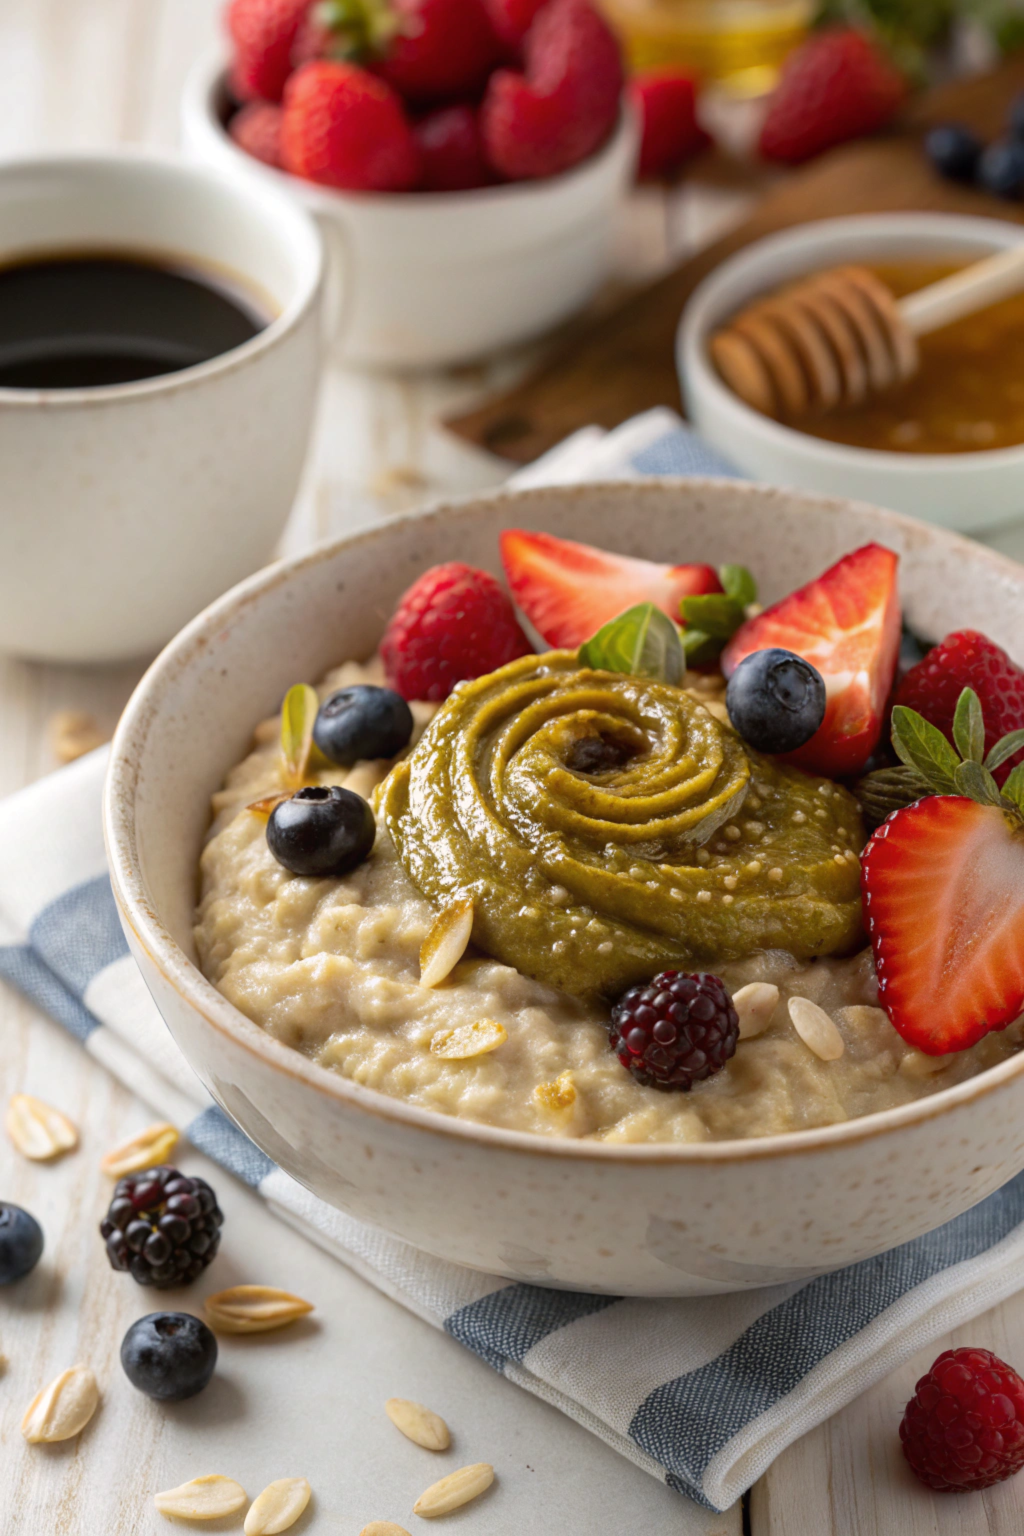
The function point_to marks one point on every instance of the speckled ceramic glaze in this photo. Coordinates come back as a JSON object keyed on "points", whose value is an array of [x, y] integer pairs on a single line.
{"points": [[642, 1220]]}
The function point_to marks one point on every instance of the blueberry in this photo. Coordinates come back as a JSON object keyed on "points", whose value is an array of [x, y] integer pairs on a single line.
{"points": [[169, 1355], [321, 831], [1001, 168], [775, 700], [954, 151], [21, 1243], [1015, 117], [361, 722]]}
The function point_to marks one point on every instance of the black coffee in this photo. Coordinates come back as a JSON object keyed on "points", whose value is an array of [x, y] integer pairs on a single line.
{"points": [[73, 322]]}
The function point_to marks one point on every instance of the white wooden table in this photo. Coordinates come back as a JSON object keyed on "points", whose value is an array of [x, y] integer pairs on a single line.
{"points": [[308, 1402]]}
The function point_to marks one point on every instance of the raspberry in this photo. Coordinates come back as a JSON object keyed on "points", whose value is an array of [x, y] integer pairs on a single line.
{"points": [[836, 86], [967, 659], [964, 1426], [674, 1031], [455, 622], [257, 130], [162, 1227]]}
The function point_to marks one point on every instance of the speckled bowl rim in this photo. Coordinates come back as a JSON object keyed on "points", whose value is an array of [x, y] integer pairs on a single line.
{"points": [[184, 977]]}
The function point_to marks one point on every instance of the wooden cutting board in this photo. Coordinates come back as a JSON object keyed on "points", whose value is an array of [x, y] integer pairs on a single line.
{"points": [[624, 362]]}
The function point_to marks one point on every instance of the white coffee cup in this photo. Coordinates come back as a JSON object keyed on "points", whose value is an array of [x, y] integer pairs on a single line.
{"points": [[126, 508]]}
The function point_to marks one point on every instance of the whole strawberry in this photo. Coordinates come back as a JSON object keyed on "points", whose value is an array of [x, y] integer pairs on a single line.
{"points": [[564, 104], [451, 152], [427, 50], [345, 128], [263, 33], [512, 19], [964, 1426], [968, 659], [667, 101], [453, 623], [836, 86], [257, 130]]}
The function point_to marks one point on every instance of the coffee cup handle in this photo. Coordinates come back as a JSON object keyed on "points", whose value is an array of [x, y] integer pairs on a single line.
{"points": [[339, 284]]}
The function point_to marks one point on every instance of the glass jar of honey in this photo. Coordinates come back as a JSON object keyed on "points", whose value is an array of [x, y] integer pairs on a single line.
{"points": [[739, 44]]}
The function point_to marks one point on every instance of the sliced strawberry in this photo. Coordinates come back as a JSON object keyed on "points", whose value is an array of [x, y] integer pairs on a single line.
{"points": [[943, 885], [847, 624], [569, 590]]}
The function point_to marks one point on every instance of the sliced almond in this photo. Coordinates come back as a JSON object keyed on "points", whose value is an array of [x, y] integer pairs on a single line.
{"points": [[74, 733], [918, 1064], [454, 1490], [557, 1095], [62, 1409], [278, 1506], [147, 1149], [383, 1528], [204, 1498], [816, 1029], [468, 1040], [263, 808], [445, 944], [863, 1016], [254, 1309], [38, 1130], [755, 1004], [418, 1424]]}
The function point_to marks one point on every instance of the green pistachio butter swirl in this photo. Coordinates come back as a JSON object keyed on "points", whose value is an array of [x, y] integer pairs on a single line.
{"points": [[682, 849]]}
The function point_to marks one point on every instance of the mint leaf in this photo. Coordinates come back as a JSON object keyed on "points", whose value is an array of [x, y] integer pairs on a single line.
{"points": [[738, 584], [969, 727], [1013, 789], [298, 714], [642, 642], [713, 612], [974, 781], [921, 745], [1005, 748]]}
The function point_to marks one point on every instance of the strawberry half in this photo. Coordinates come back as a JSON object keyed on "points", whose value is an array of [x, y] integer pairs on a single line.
{"points": [[847, 624], [943, 886], [569, 590]]}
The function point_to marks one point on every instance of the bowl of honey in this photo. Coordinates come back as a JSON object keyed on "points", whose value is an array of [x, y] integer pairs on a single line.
{"points": [[945, 445]]}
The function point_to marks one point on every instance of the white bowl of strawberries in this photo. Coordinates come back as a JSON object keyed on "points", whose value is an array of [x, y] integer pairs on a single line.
{"points": [[464, 158]]}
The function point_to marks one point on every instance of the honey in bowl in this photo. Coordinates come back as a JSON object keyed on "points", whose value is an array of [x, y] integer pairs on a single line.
{"points": [[967, 394]]}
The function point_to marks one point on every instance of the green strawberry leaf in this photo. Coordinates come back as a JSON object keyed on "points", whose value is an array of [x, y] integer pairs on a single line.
{"points": [[974, 781], [1005, 748], [715, 613], [642, 642], [969, 727], [1013, 789], [889, 789], [920, 745], [298, 714], [738, 584]]}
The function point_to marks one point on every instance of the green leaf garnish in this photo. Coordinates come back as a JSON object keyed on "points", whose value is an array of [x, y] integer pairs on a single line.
{"points": [[969, 727], [922, 745], [977, 783], [298, 714], [1004, 748], [700, 647], [718, 615], [642, 642], [1013, 789], [738, 584]]}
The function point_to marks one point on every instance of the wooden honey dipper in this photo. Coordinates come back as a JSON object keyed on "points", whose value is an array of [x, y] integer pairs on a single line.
{"points": [[832, 338]]}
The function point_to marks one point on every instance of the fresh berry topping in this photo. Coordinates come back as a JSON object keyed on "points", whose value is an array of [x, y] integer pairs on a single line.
{"points": [[668, 110], [162, 1227], [451, 151], [512, 19], [846, 623], [454, 623], [21, 1243], [263, 32], [169, 1355], [345, 128], [675, 1031], [257, 130], [362, 722], [836, 86], [569, 590], [441, 48], [566, 101], [954, 151], [775, 700], [964, 1426], [1001, 169], [967, 659], [322, 832], [943, 887]]}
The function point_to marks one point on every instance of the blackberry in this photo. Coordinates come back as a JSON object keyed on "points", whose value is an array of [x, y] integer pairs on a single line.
{"points": [[674, 1031], [162, 1227]]}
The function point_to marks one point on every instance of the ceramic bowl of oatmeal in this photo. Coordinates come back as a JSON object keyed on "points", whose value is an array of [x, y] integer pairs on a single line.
{"points": [[481, 1113]]}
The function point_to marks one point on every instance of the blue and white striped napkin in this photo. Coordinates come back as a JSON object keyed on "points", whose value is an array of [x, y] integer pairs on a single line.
{"points": [[701, 1393]]}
